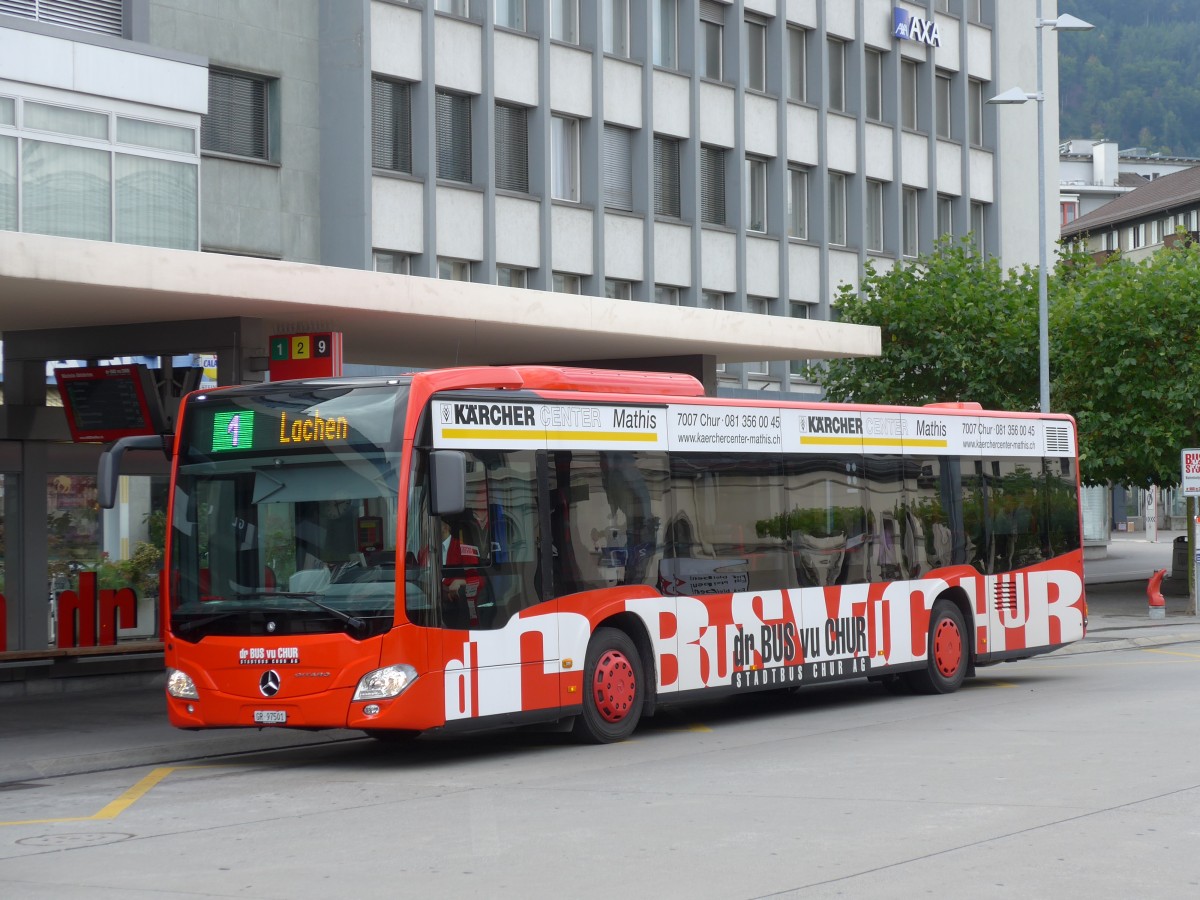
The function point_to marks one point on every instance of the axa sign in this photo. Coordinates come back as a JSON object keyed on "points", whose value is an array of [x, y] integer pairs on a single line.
{"points": [[907, 27]]}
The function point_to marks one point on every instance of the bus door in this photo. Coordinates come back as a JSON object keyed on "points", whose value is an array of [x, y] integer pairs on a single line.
{"points": [[498, 639]]}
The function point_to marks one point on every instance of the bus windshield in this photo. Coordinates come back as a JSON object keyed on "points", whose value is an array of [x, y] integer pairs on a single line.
{"points": [[285, 509]]}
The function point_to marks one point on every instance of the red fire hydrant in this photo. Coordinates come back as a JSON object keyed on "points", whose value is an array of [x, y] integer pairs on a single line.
{"points": [[1158, 606]]}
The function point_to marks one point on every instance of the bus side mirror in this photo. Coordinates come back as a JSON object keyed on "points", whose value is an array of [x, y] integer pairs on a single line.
{"points": [[109, 471], [448, 479]]}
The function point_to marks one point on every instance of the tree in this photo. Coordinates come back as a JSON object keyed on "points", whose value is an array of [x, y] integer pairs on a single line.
{"points": [[1124, 362], [954, 327]]}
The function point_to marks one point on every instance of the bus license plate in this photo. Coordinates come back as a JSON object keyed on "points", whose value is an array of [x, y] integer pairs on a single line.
{"points": [[270, 716]]}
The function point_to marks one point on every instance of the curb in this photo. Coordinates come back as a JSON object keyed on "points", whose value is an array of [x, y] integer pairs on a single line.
{"points": [[1092, 644], [187, 751]]}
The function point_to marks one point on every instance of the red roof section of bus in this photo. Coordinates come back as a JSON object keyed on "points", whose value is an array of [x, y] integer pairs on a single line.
{"points": [[564, 378]]}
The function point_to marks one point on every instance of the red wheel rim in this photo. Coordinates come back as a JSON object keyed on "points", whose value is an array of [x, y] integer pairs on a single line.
{"points": [[947, 647], [614, 687]]}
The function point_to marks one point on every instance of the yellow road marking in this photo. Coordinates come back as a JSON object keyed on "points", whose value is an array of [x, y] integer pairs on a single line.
{"points": [[122, 803], [1172, 653]]}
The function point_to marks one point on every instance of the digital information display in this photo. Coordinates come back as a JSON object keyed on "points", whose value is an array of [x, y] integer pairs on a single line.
{"points": [[105, 403], [235, 430]]}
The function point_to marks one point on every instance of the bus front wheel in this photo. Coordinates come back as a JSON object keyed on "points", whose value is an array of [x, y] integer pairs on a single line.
{"points": [[949, 655], [613, 688]]}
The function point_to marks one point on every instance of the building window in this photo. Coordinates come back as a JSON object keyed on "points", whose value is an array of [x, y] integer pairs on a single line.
{"points": [[564, 154], [712, 40], [510, 276], [943, 6], [512, 148], [873, 227], [873, 75], [565, 283], [511, 14], [149, 198], [666, 177], [975, 100], [453, 7], [618, 167], [945, 215], [911, 238], [977, 228], [564, 20], [1070, 211], [837, 75], [945, 108], [391, 125], [798, 203], [754, 54], [798, 64], [390, 261], [237, 115], [666, 296], [618, 290], [616, 27], [908, 95], [666, 33], [712, 185], [975, 10], [1137, 236], [755, 197], [453, 136], [453, 269], [837, 209]]}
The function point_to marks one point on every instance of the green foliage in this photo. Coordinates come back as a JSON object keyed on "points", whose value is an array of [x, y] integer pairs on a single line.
{"points": [[954, 327], [1124, 361], [1135, 78], [1124, 348], [140, 571]]}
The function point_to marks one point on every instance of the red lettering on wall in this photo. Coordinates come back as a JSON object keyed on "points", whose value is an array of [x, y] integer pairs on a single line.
{"points": [[80, 612], [120, 604]]}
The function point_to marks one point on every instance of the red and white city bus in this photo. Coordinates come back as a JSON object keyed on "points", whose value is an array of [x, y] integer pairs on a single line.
{"points": [[496, 546]]}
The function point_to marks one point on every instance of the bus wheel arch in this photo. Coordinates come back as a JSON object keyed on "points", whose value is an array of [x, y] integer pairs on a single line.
{"points": [[950, 657]]}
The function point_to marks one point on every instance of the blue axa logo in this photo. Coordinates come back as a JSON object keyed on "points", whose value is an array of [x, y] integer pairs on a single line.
{"points": [[907, 27]]}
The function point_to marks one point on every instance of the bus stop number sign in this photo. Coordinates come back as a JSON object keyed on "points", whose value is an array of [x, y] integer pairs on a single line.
{"points": [[306, 355]]}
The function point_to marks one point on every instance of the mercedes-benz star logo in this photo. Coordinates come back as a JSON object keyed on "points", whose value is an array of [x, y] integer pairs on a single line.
{"points": [[269, 683]]}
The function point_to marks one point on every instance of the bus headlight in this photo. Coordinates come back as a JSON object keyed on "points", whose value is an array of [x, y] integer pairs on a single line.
{"points": [[180, 684], [385, 683]]}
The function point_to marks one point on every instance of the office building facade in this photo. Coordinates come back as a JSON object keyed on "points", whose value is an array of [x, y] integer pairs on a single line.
{"points": [[672, 157]]}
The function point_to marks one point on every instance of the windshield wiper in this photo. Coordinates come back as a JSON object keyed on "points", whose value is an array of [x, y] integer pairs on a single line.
{"points": [[357, 627]]}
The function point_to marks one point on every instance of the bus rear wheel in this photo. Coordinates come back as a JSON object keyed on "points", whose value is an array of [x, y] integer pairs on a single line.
{"points": [[946, 665], [613, 689]]}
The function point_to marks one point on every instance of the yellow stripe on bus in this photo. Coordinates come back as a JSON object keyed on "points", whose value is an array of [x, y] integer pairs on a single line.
{"points": [[514, 434], [821, 440]]}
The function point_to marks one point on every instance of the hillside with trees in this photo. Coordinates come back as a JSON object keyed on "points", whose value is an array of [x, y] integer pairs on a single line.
{"points": [[1135, 78]]}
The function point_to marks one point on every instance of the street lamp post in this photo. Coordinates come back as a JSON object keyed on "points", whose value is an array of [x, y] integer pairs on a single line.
{"points": [[1016, 95]]}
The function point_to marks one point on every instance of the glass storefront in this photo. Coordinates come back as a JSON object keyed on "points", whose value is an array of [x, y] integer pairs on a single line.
{"points": [[94, 554]]}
